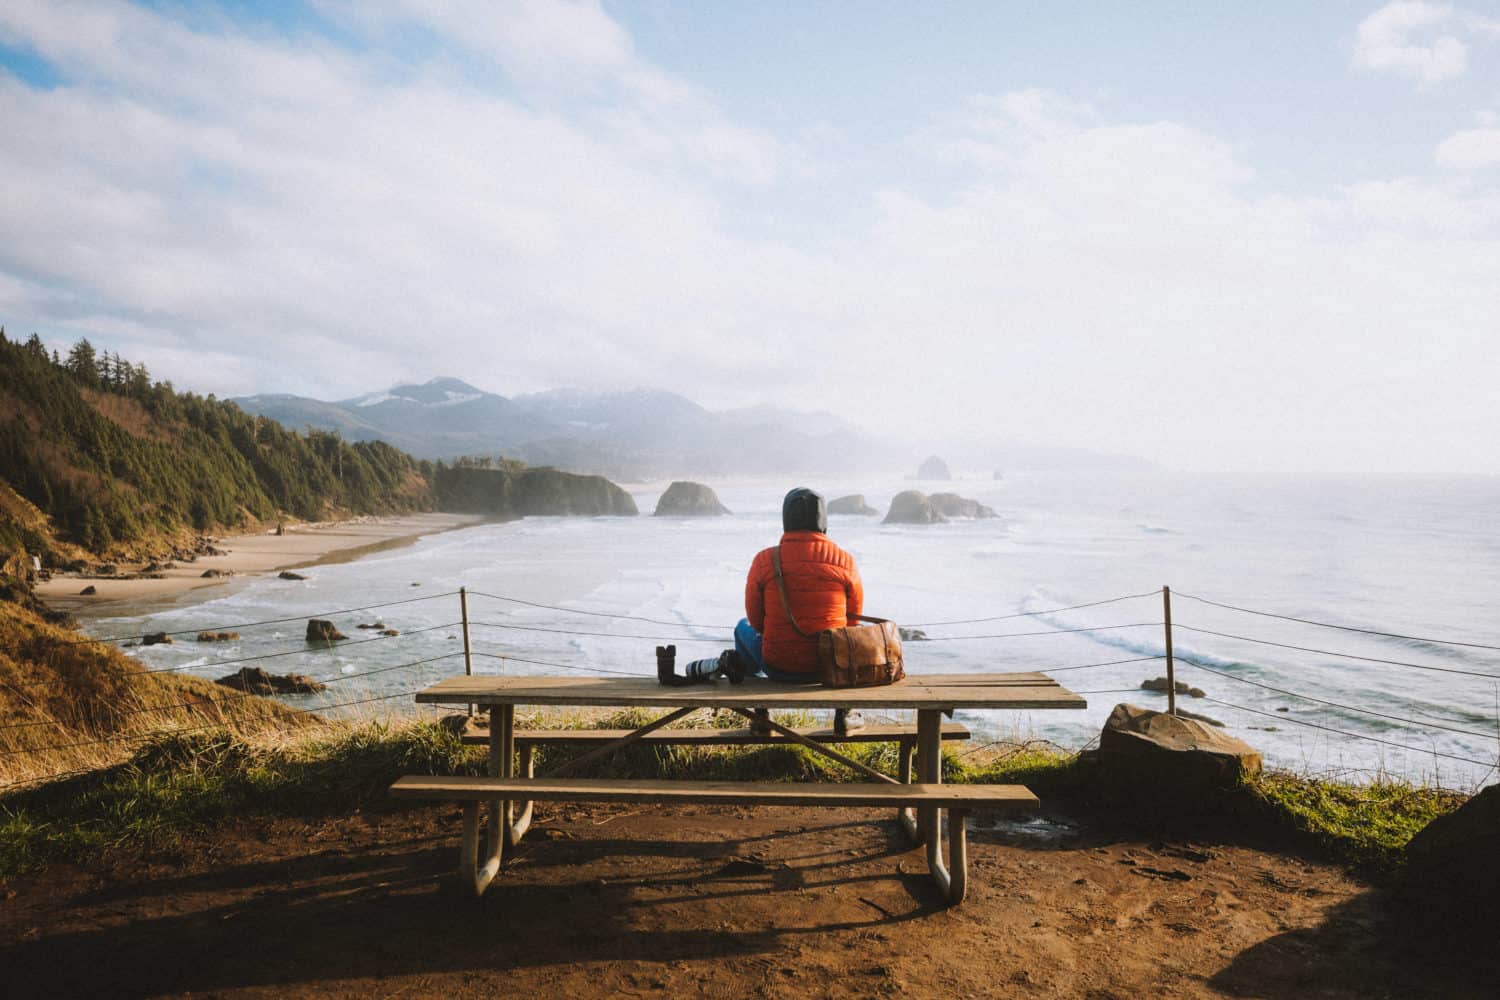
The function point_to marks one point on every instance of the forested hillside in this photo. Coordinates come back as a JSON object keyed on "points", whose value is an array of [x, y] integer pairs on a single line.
{"points": [[114, 458]]}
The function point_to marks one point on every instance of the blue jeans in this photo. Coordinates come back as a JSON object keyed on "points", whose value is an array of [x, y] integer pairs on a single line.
{"points": [[747, 645]]}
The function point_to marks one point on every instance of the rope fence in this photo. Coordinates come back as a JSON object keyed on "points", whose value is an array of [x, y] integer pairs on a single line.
{"points": [[494, 650]]}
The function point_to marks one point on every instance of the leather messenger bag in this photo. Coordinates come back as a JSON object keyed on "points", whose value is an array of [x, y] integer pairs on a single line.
{"points": [[854, 655]]}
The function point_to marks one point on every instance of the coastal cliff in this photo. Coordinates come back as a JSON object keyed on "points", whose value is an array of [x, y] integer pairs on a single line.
{"points": [[510, 489]]}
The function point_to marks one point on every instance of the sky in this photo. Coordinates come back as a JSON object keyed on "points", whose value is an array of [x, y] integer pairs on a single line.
{"points": [[1257, 238]]}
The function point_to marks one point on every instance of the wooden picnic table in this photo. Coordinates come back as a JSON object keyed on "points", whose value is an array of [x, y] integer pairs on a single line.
{"points": [[931, 696]]}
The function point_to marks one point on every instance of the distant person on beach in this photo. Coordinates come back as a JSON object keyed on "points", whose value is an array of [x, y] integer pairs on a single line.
{"points": [[823, 590]]}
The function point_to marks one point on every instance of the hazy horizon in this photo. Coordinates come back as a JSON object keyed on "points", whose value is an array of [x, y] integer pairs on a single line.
{"points": [[1249, 240]]}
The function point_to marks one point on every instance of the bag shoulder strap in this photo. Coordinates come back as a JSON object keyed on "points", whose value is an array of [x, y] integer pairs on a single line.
{"points": [[786, 605]]}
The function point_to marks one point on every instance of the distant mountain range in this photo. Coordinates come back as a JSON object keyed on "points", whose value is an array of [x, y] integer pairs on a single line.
{"points": [[622, 434]]}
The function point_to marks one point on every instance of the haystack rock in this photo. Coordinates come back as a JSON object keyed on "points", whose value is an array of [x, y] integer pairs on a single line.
{"points": [[684, 499], [322, 630], [1173, 753], [953, 505], [912, 507], [934, 468], [854, 503]]}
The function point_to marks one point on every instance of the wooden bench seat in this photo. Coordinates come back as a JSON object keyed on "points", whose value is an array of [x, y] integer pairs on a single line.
{"points": [[957, 799], [476, 731]]}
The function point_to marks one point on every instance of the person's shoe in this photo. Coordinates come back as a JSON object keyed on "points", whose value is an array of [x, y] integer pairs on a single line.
{"points": [[760, 723], [846, 721], [731, 666]]}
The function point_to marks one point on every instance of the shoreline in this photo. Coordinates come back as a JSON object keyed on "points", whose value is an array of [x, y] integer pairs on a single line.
{"points": [[248, 557]]}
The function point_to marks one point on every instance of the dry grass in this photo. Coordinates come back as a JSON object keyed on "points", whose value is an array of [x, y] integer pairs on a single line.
{"points": [[70, 705]]}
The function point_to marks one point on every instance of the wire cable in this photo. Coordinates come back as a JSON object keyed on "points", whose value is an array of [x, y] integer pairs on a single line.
{"points": [[1355, 736], [1349, 656], [1056, 631], [720, 640], [241, 695], [294, 652], [1107, 663], [561, 666], [1334, 704], [269, 621], [1342, 628], [594, 614], [1028, 614]]}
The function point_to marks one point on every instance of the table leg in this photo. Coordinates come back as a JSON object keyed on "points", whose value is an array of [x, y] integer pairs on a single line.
{"points": [[522, 822], [930, 769], [502, 743], [906, 816]]}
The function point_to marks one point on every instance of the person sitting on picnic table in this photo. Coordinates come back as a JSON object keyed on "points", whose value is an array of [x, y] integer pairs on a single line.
{"points": [[822, 587]]}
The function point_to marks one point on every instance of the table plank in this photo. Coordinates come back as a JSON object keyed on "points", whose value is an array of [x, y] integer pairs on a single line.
{"points": [[1016, 691], [762, 793]]}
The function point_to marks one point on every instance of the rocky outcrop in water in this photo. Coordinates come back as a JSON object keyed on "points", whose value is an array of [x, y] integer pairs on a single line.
{"points": [[953, 505], [254, 680], [526, 491], [912, 507], [685, 499], [854, 503], [323, 630], [934, 468]]}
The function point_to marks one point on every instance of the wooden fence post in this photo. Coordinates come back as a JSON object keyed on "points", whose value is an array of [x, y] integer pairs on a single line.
{"points": [[1166, 609], [463, 607]]}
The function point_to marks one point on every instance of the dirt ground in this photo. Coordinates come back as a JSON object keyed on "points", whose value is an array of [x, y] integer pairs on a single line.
{"points": [[621, 900]]}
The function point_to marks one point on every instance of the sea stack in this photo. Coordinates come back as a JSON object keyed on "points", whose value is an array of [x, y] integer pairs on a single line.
{"points": [[685, 499], [854, 503], [912, 507], [953, 505], [934, 468]]}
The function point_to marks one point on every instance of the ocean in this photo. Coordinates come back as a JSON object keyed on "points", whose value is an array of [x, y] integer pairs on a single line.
{"points": [[1417, 561]]}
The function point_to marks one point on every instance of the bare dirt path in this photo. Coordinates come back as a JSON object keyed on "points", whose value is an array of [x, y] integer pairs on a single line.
{"points": [[706, 901]]}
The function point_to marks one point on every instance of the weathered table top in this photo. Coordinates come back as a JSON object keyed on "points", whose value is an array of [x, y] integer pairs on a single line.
{"points": [[919, 691]]}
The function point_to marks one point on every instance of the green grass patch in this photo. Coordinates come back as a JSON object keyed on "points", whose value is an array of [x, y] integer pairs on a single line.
{"points": [[1367, 825]]}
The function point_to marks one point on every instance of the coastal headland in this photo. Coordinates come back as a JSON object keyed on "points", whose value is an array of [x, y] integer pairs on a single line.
{"points": [[245, 556]]}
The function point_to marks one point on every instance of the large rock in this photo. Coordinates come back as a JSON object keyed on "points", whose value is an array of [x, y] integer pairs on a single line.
{"points": [[1453, 864], [254, 680], [1172, 754], [934, 468], [953, 505], [684, 499], [912, 507], [322, 630], [854, 503]]}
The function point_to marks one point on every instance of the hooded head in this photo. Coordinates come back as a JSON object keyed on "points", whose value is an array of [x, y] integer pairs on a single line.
{"points": [[804, 510]]}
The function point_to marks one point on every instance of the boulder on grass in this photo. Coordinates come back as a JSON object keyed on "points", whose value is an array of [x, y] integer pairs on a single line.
{"points": [[1453, 864], [912, 507], [254, 680], [854, 503], [322, 630], [1172, 754], [685, 499]]}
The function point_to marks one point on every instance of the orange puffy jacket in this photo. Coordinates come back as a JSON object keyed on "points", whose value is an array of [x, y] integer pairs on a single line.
{"points": [[825, 591]]}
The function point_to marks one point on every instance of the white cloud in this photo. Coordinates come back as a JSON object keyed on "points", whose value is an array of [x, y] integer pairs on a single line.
{"points": [[1404, 38], [250, 212], [1470, 149]]}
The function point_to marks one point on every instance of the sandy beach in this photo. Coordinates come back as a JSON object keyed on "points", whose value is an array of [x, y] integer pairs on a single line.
{"points": [[248, 556]]}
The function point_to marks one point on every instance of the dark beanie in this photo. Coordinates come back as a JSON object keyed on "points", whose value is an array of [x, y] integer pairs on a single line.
{"points": [[804, 510]]}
